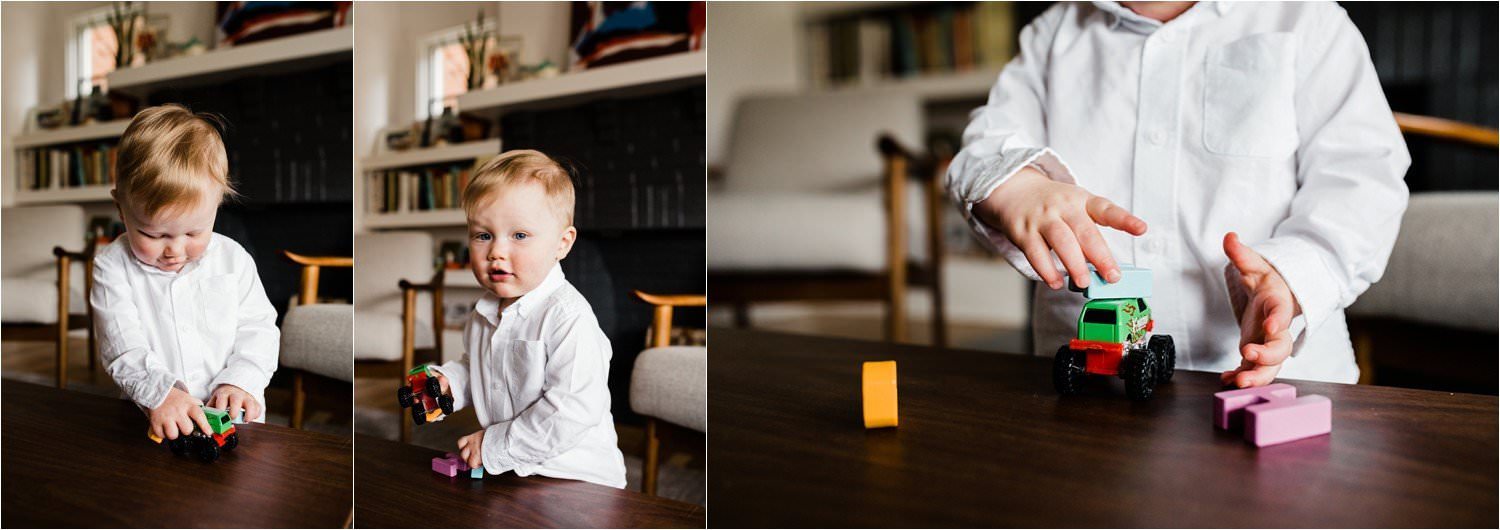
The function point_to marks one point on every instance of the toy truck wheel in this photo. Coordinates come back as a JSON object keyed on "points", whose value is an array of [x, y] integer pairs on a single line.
{"points": [[232, 441], [434, 388], [417, 416], [1139, 371], [178, 446], [1166, 357], [445, 403], [208, 450], [403, 396], [1067, 371]]}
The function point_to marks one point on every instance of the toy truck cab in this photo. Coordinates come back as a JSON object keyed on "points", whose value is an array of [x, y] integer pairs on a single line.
{"points": [[209, 445], [424, 394], [1115, 339]]}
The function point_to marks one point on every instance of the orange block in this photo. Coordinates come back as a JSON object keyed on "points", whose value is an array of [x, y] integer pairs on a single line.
{"points": [[880, 394], [152, 436], [434, 415]]}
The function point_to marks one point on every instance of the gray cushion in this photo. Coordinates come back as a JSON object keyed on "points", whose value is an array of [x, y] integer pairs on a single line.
{"points": [[30, 269], [1442, 269], [377, 336], [671, 384], [816, 142], [317, 338], [28, 301]]}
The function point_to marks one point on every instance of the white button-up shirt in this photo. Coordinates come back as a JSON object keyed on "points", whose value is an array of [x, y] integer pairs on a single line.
{"points": [[1266, 119], [537, 374], [205, 325]]}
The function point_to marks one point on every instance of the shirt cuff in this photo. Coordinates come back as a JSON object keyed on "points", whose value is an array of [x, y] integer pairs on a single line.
{"points": [[247, 378], [998, 172], [153, 390], [458, 382], [1315, 289], [496, 455]]}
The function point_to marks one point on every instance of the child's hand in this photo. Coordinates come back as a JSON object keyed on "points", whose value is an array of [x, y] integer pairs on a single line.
{"points": [[177, 414], [469, 449], [442, 381], [1265, 307], [232, 398], [1039, 215]]}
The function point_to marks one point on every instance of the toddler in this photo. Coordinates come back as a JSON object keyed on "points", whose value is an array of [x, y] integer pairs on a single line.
{"points": [[179, 310], [536, 363], [1253, 145]]}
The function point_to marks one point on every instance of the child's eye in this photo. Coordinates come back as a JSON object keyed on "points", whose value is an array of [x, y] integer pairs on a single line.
{"points": [[482, 236], [521, 235]]}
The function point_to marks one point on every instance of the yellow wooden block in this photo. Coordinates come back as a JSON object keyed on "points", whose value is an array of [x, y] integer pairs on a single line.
{"points": [[880, 394], [434, 414], [153, 436]]}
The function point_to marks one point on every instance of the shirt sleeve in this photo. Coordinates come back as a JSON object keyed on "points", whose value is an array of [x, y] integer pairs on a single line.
{"points": [[575, 398], [1351, 164], [1007, 134], [457, 372], [257, 340], [139, 370]]}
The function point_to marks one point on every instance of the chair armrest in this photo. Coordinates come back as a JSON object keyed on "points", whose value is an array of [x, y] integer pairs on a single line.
{"points": [[673, 300], [919, 164], [1453, 131], [433, 284], [82, 256], [319, 261]]}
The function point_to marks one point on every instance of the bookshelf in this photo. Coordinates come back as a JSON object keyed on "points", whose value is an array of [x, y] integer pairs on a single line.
{"points": [[937, 50], [414, 165], [90, 141], [64, 135], [306, 51], [432, 155], [635, 78]]}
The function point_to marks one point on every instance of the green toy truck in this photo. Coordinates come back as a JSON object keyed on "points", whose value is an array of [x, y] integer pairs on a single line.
{"points": [[208, 446], [1115, 339]]}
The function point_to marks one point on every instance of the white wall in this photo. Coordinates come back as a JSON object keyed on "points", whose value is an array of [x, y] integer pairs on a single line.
{"points": [[386, 36], [754, 47], [34, 58]]}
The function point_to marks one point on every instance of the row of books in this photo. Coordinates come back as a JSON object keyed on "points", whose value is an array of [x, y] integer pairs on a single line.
{"points": [[51, 168], [911, 41], [417, 189]]}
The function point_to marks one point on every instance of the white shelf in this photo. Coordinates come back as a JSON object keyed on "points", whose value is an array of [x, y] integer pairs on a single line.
{"points": [[432, 155], [622, 80], [64, 135], [287, 53], [78, 194], [449, 217]]}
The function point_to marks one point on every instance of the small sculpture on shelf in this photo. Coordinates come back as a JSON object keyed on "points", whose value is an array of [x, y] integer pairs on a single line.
{"points": [[476, 42], [123, 19]]}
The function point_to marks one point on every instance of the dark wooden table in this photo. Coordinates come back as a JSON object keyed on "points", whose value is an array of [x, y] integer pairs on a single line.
{"points": [[398, 489], [985, 441], [80, 460]]}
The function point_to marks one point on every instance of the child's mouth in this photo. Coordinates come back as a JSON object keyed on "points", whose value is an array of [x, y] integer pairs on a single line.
{"points": [[500, 276]]}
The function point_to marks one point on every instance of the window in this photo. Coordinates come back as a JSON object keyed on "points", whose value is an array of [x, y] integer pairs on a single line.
{"points": [[91, 52], [1099, 316], [444, 69]]}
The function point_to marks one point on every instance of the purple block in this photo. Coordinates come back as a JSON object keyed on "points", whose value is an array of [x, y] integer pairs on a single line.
{"points": [[445, 466], [1229, 405], [1285, 420]]}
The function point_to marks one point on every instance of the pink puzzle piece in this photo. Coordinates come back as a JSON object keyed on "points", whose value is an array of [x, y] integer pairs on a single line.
{"points": [[1273, 414], [449, 464]]}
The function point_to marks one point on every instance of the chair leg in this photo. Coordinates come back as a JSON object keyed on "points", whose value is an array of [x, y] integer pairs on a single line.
{"points": [[62, 321], [653, 446], [299, 399], [741, 315]]}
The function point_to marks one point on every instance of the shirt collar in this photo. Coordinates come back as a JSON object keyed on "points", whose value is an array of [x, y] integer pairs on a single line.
{"points": [[488, 305], [1119, 14]]}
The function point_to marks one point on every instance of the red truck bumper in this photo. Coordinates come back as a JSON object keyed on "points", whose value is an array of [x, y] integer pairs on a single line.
{"points": [[1103, 358]]}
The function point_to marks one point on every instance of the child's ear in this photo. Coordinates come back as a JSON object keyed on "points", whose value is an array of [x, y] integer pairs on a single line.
{"points": [[565, 245]]}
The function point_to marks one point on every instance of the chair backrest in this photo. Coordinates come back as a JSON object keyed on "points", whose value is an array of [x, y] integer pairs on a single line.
{"points": [[386, 258], [30, 232], [1442, 269], [816, 142]]}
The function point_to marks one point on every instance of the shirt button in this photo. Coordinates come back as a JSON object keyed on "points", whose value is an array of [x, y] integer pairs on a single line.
{"points": [[1156, 137], [1156, 245], [1167, 35]]}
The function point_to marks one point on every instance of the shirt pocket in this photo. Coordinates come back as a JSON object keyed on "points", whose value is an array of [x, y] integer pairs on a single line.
{"points": [[1248, 97], [219, 311], [525, 369]]}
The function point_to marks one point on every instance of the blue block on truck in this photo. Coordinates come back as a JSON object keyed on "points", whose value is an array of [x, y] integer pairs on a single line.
{"points": [[1135, 282]]}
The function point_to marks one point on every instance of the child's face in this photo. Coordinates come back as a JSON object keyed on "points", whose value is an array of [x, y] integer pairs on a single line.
{"points": [[172, 238], [514, 240]]}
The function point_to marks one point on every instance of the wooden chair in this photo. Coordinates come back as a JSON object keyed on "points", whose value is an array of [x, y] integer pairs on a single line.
{"points": [[391, 259], [657, 388], [308, 296], [769, 142], [1419, 326], [67, 321]]}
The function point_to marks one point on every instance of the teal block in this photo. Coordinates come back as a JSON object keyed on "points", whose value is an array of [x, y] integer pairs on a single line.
{"points": [[1135, 282], [477, 472]]}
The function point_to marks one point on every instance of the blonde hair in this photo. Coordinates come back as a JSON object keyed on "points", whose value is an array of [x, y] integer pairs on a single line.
{"points": [[171, 157], [515, 167]]}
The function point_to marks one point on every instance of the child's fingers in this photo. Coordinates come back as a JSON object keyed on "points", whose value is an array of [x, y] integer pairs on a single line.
{"points": [[463, 442], [253, 409], [1065, 244], [1109, 214], [169, 430], [235, 403], [1243, 257], [201, 420], [475, 460], [1041, 260], [1278, 310], [184, 425], [1097, 251]]}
